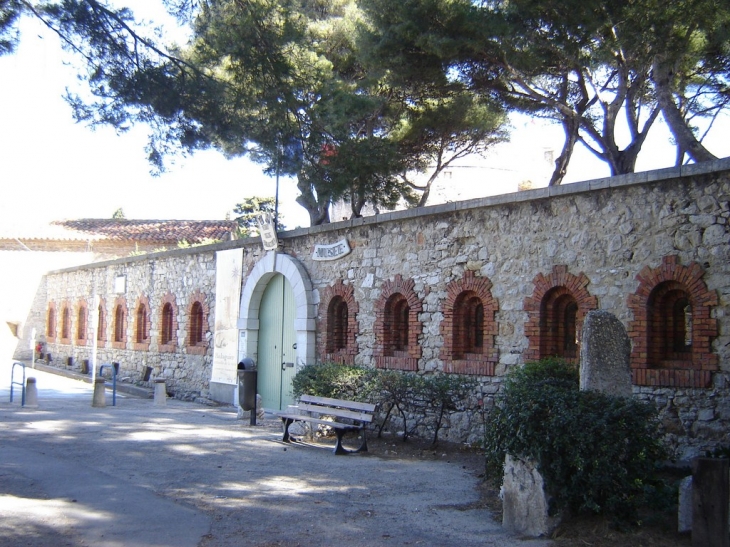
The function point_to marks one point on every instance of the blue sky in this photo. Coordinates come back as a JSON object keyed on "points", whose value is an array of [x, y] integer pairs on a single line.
{"points": [[53, 168]]}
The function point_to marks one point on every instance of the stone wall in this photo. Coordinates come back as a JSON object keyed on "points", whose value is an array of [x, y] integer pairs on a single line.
{"points": [[184, 275], [589, 240]]}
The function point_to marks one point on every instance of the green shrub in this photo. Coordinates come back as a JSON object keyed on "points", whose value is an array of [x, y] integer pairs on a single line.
{"points": [[442, 394], [334, 380], [397, 393], [418, 401], [597, 453]]}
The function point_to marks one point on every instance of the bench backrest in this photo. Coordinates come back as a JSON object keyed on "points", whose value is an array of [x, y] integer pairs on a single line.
{"points": [[354, 410]]}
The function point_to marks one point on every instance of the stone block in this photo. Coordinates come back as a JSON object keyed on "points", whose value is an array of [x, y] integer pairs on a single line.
{"points": [[525, 503], [604, 355], [684, 505]]}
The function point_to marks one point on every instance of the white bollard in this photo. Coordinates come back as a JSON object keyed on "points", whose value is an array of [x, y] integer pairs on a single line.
{"points": [[31, 393], [99, 399], [160, 393]]}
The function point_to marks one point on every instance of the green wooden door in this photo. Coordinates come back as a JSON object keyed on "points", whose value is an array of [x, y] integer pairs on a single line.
{"points": [[276, 347]]}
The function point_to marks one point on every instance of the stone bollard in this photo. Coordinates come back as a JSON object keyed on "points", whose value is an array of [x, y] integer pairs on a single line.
{"points": [[99, 399], [160, 393], [31, 393]]}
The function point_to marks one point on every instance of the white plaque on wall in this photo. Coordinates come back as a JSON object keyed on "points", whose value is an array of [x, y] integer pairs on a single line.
{"points": [[120, 284], [331, 252]]}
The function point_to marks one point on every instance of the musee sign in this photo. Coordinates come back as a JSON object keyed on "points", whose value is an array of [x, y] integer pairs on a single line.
{"points": [[331, 252]]}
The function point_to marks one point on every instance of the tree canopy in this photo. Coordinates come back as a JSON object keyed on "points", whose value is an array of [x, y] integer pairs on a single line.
{"points": [[249, 212], [355, 97], [583, 63], [284, 82]]}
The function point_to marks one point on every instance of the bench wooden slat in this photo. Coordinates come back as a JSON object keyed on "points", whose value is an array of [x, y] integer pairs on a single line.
{"points": [[361, 413], [353, 405], [304, 418], [339, 412]]}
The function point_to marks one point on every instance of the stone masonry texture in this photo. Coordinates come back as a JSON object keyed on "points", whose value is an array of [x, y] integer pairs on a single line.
{"points": [[591, 240]]}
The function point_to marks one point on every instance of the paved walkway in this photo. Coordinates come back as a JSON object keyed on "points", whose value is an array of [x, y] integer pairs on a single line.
{"points": [[182, 474]]}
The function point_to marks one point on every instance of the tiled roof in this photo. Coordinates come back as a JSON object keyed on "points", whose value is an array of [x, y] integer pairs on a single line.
{"points": [[151, 231]]}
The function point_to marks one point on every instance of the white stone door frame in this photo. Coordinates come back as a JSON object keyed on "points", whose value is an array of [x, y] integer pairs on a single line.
{"points": [[253, 289]]}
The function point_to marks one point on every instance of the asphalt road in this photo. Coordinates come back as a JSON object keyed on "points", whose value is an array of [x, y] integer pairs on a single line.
{"points": [[140, 474]]}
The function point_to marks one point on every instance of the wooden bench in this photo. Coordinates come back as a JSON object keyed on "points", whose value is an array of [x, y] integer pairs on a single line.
{"points": [[346, 416]]}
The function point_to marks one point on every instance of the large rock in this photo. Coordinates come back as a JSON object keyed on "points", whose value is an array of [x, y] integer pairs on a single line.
{"points": [[604, 355], [525, 503]]}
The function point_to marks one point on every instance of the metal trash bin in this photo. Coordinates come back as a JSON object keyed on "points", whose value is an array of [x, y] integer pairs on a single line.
{"points": [[247, 377]]}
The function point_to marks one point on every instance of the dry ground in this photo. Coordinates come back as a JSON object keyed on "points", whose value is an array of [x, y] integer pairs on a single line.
{"points": [[658, 530]]}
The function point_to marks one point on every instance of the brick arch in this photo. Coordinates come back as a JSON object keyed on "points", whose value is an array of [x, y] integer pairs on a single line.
{"points": [[197, 317], [101, 324], [170, 328], [120, 319], [649, 305], [81, 312], [553, 293], [331, 296], [141, 336], [398, 291], [51, 322], [65, 332], [455, 354]]}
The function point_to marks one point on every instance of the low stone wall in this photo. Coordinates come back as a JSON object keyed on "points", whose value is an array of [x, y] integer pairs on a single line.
{"points": [[694, 421]]}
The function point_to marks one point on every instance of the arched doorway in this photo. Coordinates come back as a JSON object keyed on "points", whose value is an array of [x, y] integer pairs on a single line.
{"points": [[277, 304], [277, 343]]}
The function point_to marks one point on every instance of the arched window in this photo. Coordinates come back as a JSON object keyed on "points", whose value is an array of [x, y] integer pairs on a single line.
{"points": [[119, 328], [397, 326], [65, 323], [337, 319], [558, 325], [168, 322], [101, 323], [51, 322], [670, 324], [196, 324], [142, 328], [119, 320], [468, 327], [556, 311], [337, 325], [397, 312], [672, 329], [142, 325], [81, 326]]}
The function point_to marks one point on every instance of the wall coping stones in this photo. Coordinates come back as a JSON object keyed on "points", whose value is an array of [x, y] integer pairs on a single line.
{"points": [[632, 179]]}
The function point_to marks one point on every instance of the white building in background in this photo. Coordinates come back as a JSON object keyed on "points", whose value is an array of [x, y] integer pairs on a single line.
{"points": [[526, 162]]}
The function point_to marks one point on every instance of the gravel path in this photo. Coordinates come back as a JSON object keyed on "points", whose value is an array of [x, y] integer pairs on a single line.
{"points": [[189, 475]]}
